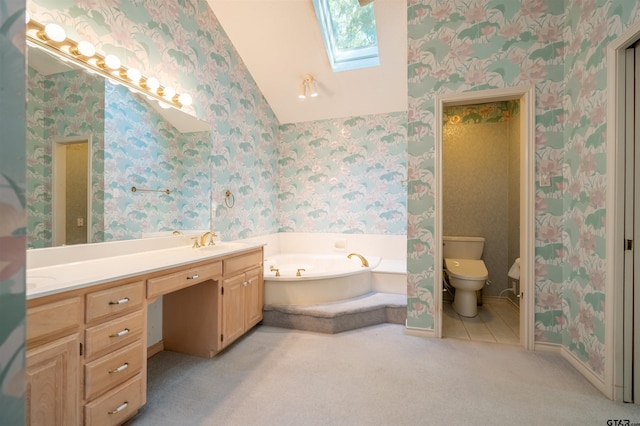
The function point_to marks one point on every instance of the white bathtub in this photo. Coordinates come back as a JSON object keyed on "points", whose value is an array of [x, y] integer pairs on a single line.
{"points": [[323, 278]]}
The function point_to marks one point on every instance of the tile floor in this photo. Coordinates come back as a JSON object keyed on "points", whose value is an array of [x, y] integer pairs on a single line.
{"points": [[497, 321]]}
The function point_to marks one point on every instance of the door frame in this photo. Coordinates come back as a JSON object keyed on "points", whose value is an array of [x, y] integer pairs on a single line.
{"points": [[615, 139], [526, 96], [58, 187]]}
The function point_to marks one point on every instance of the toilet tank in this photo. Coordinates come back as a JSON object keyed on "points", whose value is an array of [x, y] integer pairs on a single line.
{"points": [[462, 247]]}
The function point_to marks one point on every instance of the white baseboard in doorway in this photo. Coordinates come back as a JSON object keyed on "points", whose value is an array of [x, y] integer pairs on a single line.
{"points": [[547, 347], [420, 332], [579, 365], [576, 363]]}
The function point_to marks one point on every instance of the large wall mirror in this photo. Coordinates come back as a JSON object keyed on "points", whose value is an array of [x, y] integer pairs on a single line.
{"points": [[90, 142]]}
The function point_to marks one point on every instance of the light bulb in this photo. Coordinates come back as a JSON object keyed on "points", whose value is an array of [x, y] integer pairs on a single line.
{"points": [[302, 93], [312, 89], [153, 83], [112, 61], [169, 92], [55, 32], [185, 99], [134, 74], [164, 105], [86, 49]]}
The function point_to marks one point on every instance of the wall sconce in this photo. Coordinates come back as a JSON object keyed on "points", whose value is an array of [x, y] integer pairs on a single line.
{"points": [[52, 38], [307, 86]]}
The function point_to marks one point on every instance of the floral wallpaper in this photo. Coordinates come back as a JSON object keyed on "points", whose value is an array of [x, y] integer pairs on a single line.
{"points": [[143, 150], [344, 175], [182, 43], [492, 112], [581, 241], [61, 106], [463, 45], [12, 212]]}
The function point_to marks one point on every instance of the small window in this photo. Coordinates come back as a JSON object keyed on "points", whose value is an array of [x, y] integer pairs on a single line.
{"points": [[349, 33]]}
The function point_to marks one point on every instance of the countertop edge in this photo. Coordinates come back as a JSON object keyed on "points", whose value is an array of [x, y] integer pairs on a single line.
{"points": [[79, 283]]}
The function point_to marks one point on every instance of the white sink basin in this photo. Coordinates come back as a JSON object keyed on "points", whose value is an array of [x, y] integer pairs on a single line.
{"points": [[35, 281], [222, 247]]}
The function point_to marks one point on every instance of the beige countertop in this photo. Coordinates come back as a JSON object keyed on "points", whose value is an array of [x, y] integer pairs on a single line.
{"points": [[52, 279]]}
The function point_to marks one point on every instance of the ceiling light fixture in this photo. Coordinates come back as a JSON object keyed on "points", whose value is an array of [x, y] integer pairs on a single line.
{"points": [[52, 38], [307, 86]]}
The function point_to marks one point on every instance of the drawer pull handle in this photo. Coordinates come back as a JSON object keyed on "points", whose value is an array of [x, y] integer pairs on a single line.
{"points": [[193, 277], [120, 333], [119, 302], [119, 369], [120, 408]]}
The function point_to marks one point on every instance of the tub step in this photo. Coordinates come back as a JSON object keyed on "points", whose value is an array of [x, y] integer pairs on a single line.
{"points": [[369, 309]]}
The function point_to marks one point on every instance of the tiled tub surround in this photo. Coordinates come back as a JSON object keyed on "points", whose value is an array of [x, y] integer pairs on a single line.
{"points": [[385, 299], [389, 276]]}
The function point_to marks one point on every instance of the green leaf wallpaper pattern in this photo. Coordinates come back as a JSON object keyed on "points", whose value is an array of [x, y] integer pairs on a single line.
{"points": [[457, 46]]}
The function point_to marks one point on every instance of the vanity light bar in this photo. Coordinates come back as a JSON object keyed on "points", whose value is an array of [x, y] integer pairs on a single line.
{"points": [[52, 38]]}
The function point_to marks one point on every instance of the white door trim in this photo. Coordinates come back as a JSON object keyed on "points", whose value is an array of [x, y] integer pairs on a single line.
{"points": [[614, 297], [526, 95], [58, 185]]}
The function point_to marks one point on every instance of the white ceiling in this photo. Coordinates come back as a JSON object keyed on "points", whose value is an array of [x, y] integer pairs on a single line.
{"points": [[280, 41]]}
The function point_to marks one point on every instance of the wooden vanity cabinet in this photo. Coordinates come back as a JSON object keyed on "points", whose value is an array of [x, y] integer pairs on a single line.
{"points": [[87, 348], [86, 353], [241, 296], [53, 360], [115, 353], [205, 318]]}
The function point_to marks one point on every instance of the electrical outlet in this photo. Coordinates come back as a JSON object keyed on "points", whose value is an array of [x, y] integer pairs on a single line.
{"points": [[80, 222]]}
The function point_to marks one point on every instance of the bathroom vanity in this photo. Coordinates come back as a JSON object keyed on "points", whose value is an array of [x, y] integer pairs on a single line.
{"points": [[87, 325]]}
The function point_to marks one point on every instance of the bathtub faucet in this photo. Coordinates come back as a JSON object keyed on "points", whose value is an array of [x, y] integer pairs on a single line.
{"points": [[365, 264]]}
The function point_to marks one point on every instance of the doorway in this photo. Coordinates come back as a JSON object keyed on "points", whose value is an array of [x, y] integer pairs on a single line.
{"points": [[480, 198], [71, 191], [622, 303], [631, 260], [525, 96]]}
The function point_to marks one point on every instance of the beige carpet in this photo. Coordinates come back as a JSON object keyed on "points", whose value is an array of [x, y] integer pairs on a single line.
{"points": [[371, 376]]}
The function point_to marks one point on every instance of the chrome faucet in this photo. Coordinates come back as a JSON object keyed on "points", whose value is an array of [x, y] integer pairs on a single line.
{"points": [[365, 263]]}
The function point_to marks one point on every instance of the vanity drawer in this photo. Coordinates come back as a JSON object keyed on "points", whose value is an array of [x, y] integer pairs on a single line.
{"points": [[101, 304], [243, 262], [114, 333], [112, 369], [116, 406], [172, 282], [53, 319]]}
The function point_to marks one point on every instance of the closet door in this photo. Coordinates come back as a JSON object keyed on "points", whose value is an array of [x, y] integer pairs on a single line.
{"points": [[631, 327]]}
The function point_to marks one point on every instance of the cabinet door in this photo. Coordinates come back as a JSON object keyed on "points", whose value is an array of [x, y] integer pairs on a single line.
{"points": [[253, 297], [53, 383], [232, 308]]}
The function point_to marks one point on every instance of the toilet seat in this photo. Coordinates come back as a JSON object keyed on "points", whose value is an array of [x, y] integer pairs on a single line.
{"points": [[466, 269]]}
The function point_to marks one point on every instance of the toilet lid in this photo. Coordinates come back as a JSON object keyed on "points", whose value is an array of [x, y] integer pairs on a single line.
{"points": [[469, 269]]}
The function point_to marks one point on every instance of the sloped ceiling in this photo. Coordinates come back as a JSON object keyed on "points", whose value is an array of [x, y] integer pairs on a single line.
{"points": [[280, 41]]}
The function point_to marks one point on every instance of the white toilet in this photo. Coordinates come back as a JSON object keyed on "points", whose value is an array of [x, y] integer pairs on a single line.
{"points": [[467, 273]]}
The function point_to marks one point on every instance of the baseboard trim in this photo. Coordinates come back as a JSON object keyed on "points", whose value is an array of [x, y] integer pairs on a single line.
{"points": [[547, 347], [155, 348], [576, 363], [586, 372], [420, 332]]}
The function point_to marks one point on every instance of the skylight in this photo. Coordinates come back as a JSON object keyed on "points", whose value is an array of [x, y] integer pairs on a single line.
{"points": [[349, 33]]}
